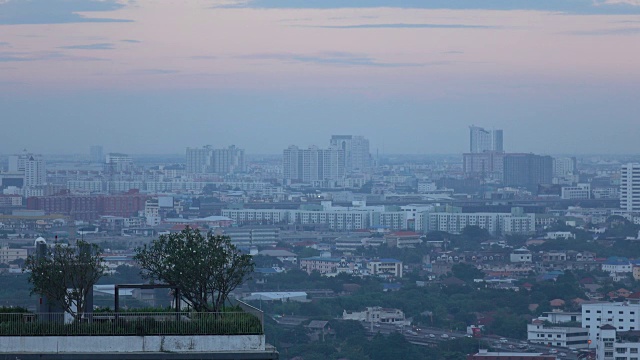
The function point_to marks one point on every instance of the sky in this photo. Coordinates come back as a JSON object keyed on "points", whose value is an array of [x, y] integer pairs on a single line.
{"points": [[157, 76]]}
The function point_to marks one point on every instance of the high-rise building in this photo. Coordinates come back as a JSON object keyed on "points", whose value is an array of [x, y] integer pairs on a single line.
{"points": [[481, 140], [31, 166], [207, 160], [488, 165], [564, 167], [199, 160], [35, 173], [228, 161], [356, 151], [312, 164], [96, 154], [527, 170], [630, 187], [117, 162]]}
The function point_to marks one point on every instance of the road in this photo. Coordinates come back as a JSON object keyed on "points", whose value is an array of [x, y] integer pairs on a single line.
{"points": [[432, 336]]}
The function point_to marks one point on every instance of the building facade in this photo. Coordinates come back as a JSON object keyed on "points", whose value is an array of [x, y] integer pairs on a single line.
{"points": [[356, 151], [481, 140], [630, 187]]}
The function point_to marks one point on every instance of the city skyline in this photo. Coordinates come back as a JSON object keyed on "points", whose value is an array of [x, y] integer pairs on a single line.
{"points": [[552, 74]]}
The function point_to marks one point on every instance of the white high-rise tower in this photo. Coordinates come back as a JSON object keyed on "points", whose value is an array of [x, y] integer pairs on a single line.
{"points": [[630, 187], [481, 140], [356, 151]]}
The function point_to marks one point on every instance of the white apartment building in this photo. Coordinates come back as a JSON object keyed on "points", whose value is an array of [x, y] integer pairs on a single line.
{"points": [[32, 166], [85, 186], [257, 216], [385, 266], [336, 220], [481, 140], [615, 346], [313, 164], [630, 187], [520, 256], [580, 191], [152, 212], [376, 314], [8, 254], [116, 162], [563, 167], [560, 235], [575, 337], [356, 151], [494, 223], [426, 187], [623, 316], [217, 161], [35, 173], [394, 220]]}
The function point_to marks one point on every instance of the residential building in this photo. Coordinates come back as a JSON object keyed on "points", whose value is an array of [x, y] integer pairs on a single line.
{"points": [[96, 154], [578, 192], [31, 166], [313, 165], [617, 345], [527, 170], [207, 160], [488, 165], [564, 167], [8, 254], [521, 255], [323, 265], [89, 207], [152, 212], [481, 140], [453, 220], [391, 267], [356, 151], [576, 337], [199, 160], [630, 187], [403, 239], [624, 316], [117, 162], [253, 235]]}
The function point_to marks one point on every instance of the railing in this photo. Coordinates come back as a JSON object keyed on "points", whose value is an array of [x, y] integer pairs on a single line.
{"points": [[251, 310], [130, 323]]}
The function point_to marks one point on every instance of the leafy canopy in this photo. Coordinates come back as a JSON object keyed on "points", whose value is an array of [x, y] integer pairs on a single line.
{"points": [[204, 268]]}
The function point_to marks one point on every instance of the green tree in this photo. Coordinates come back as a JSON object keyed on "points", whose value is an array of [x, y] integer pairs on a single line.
{"points": [[205, 268], [66, 275], [466, 272]]}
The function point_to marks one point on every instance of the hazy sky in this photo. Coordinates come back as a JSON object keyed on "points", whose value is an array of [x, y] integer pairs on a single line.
{"points": [[156, 76]]}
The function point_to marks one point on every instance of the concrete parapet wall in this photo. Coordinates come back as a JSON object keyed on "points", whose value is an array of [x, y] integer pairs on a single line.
{"points": [[122, 344]]}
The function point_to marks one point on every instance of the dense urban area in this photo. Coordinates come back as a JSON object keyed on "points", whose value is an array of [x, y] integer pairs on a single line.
{"points": [[360, 254]]}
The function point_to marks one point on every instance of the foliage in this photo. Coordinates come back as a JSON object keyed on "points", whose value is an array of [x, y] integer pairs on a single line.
{"points": [[66, 275], [103, 324], [204, 268], [466, 272]]}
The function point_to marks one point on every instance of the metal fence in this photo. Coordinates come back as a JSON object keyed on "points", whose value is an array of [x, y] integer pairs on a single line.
{"points": [[132, 323], [251, 310]]}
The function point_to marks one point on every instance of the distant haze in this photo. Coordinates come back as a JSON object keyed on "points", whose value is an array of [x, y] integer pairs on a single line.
{"points": [[151, 76]]}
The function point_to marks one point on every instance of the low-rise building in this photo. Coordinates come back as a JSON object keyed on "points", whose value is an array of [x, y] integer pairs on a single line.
{"points": [[377, 314], [576, 337], [391, 267], [323, 265], [521, 255], [8, 254]]}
